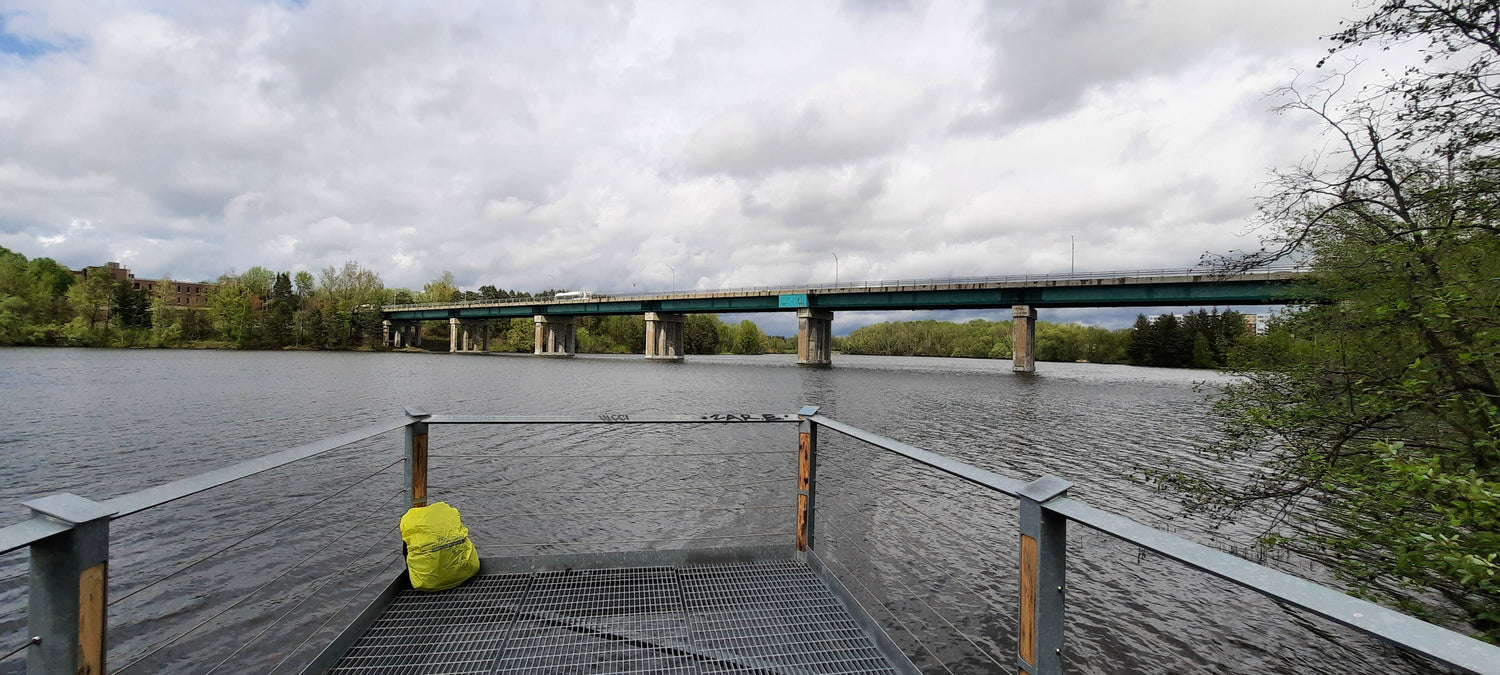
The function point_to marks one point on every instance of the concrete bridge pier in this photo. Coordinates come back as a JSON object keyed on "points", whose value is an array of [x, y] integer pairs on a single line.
{"points": [[814, 338], [1023, 339], [469, 336], [398, 334], [664, 336], [555, 335]]}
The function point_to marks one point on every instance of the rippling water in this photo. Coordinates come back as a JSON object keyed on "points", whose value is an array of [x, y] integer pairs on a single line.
{"points": [[255, 576]]}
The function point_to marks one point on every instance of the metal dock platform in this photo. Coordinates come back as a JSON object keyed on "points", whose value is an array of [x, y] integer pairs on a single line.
{"points": [[724, 611]]}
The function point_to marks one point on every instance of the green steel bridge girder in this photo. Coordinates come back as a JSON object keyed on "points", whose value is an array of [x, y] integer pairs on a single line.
{"points": [[1183, 294]]}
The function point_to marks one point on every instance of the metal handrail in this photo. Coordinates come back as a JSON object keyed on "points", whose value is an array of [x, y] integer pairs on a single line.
{"points": [[1409, 633], [613, 296], [39, 527], [69, 535], [1042, 501]]}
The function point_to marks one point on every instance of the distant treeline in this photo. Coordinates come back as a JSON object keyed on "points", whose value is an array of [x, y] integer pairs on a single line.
{"points": [[1199, 339], [626, 334], [44, 303]]}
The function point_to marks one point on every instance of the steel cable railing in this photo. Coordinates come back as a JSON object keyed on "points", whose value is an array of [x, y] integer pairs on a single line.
{"points": [[1043, 510], [157, 647], [300, 511], [35, 640]]}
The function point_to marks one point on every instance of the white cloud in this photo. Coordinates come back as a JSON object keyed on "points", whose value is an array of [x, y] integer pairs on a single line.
{"points": [[597, 142]]}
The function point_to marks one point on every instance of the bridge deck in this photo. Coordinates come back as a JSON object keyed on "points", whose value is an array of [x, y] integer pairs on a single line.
{"points": [[1113, 289], [766, 616]]}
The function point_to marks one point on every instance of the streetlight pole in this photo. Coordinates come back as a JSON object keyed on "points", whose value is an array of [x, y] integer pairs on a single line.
{"points": [[673, 287], [835, 268], [1072, 255]]}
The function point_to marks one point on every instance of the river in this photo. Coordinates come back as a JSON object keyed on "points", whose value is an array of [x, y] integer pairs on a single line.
{"points": [[258, 574]]}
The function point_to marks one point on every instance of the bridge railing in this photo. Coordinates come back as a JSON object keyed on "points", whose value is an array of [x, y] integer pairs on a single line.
{"points": [[1187, 272]]}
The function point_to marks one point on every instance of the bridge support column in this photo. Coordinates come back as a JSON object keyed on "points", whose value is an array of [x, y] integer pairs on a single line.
{"points": [[484, 339], [388, 339], [1023, 339], [415, 334], [664, 336], [452, 336], [554, 335], [814, 338]]}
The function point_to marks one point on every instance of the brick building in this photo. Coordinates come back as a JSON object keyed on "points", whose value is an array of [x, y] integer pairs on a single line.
{"points": [[188, 294]]}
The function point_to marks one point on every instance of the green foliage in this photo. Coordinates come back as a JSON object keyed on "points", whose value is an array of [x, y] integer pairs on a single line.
{"points": [[442, 289], [231, 309], [305, 283], [1372, 420], [1199, 340], [980, 339], [1074, 342], [33, 299], [700, 334], [91, 299], [611, 334], [748, 339]]}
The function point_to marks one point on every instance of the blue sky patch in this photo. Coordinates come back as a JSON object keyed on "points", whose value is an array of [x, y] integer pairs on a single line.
{"points": [[23, 47]]}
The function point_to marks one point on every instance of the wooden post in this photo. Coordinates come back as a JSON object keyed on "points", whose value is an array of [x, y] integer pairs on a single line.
{"points": [[1043, 567], [416, 459], [807, 478], [69, 588]]}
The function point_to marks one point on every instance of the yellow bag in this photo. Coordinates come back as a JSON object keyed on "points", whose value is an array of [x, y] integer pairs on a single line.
{"points": [[439, 554]]}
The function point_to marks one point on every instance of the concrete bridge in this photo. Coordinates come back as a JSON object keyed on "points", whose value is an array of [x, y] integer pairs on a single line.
{"points": [[815, 305]]}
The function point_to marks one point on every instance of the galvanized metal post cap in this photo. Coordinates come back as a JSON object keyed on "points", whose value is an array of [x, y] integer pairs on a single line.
{"points": [[69, 508], [1045, 488]]}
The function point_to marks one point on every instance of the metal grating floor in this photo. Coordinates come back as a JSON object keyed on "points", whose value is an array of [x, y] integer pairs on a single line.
{"points": [[763, 617]]}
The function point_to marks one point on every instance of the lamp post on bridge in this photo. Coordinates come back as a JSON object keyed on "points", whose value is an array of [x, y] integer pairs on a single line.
{"points": [[672, 287], [835, 267]]}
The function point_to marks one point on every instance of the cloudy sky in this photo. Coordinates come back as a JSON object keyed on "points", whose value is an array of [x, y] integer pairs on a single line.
{"points": [[591, 145]]}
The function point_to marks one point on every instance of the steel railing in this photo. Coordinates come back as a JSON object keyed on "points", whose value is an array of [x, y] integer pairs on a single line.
{"points": [[1184, 272], [68, 539]]}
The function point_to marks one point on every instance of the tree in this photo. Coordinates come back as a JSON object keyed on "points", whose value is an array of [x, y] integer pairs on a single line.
{"points": [[232, 311], [442, 289], [1447, 103], [347, 310], [166, 316], [305, 284], [748, 339], [130, 305], [258, 280], [700, 334], [282, 309], [91, 299], [1376, 417]]}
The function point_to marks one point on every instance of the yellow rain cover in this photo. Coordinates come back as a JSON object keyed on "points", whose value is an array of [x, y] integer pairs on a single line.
{"points": [[439, 554]]}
